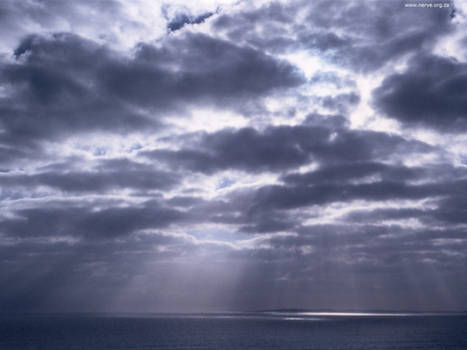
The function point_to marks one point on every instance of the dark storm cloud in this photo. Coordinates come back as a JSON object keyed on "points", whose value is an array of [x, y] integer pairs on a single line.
{"points": [[185, 201], [288, 197], [345, 172], [304, 194], [108, 175], [452, 209], [430, 93], [285, 147], [274, 207], [245, 149], [263, 221], [64, 84], [361, 36], [446, 209], [213, 70], [182, 19], [343, 156], [87, 221], [378, 215], [53, 92]]}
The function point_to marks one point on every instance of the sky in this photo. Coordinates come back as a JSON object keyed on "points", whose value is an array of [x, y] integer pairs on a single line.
{"points": [[182, 156]]}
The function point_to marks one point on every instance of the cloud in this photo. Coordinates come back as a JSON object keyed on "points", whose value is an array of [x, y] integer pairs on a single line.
{"points": [[244, 149], [346, 172], [360, 37], [375, 33], [446, 209], [429, 93], [288, 197], [212, 70], [182, 19], [112, 22], [63, 84], [106, 176], [52, 93], [79, 220], [321, 140], [452, 209]]}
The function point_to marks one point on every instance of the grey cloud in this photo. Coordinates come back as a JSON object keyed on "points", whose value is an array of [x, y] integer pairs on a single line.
{"points": [[335, 184], [53, 93], [387, 214], [182, 19], [262, 221], [272, 18], [108, 21], [345, 172], [344, 156], [288, 197], [341, 102], [447, 209], [108, 175], [185, 201], [87, 221], [273, 208], [246, 149], [374, 32], [63, 84], [217, 70], [284, 147], [452, 209], [429, 93]]}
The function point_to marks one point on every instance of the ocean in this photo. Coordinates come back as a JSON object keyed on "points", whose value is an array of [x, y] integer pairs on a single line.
{"points": [[233, 331]]}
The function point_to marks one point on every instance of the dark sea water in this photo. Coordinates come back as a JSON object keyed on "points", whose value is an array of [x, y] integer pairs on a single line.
{"points": [[228, 331]]}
